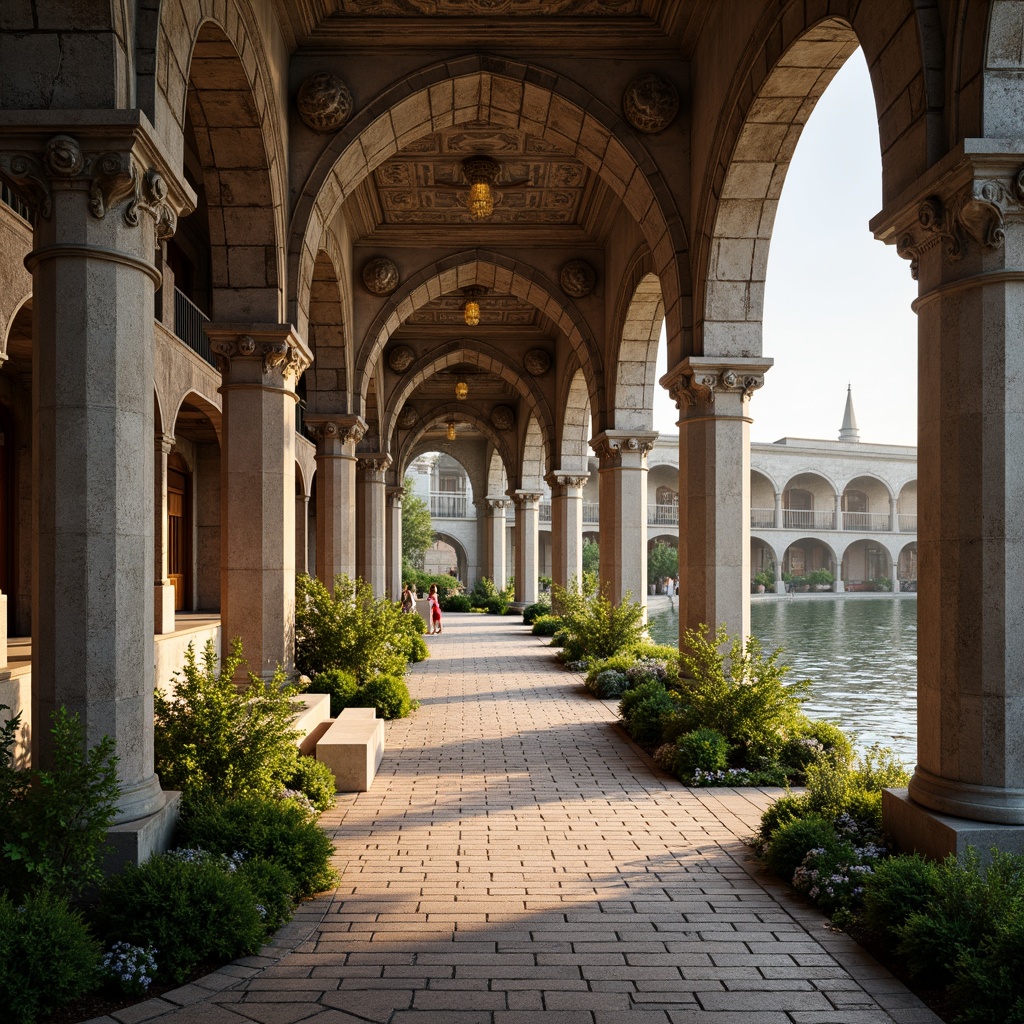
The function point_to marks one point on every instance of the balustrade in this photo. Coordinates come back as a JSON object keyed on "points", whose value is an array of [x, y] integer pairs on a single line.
{"points": [[762, 518], [870, 522], [448, 505], [662, 515], [189, 321]]}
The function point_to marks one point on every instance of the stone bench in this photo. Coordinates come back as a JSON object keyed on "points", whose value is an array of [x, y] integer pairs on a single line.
{"points": [[352, 747]]}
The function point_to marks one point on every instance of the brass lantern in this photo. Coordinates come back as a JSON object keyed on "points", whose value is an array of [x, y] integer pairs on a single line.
{"points": [[471, 308], [451, 430], [461, 389], [481, 172]]}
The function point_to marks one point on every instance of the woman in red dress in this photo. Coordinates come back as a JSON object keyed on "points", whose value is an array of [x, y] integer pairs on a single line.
{"points": [[435, 609]]}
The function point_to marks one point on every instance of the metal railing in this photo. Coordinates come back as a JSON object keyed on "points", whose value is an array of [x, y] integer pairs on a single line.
{"points": [[807, 519], [662, 515], [908, 522], [9, 198], [300, 418], [188, 325], [446, 505], [762, 518], [590, 513], [872, 522], [545, 511]]}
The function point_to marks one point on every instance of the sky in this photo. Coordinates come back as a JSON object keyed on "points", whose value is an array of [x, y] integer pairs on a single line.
{"points": [[837, 302]]}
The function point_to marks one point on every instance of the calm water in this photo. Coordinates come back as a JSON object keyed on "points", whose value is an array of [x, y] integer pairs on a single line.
{"points": [[859, 653]]}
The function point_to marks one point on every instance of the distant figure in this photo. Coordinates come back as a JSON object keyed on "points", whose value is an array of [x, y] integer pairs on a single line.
{"points": [[408, 600], [435, 610]]}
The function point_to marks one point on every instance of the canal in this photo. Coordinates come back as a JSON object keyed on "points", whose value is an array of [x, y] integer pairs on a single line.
{"points": [[860, 654]]}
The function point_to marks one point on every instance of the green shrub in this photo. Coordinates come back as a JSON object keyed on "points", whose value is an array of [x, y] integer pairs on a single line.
{"points": [[341, 685], [350, 629], [47, 956], [388, 694], [620, 663], [794, 839], [749, 702], [644, 710], [786, 809], [595, 628], [546, 625], [315, 779], [272, 887], [456, 603], [834, 876], [486, 595], [701, 750], [900, 887], [275, 830], [191, 907], [533, 611], [988, 984], [55, 820], [409, 636], [210, 738], [607, 684], [811, 739]]}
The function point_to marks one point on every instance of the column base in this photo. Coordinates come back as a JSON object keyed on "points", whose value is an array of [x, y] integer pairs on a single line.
{"points": [[163, 608], [936, 836], [133, 842]]}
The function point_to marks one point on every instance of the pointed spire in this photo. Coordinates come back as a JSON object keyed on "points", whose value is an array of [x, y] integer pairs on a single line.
{"points": [[848, 431]]}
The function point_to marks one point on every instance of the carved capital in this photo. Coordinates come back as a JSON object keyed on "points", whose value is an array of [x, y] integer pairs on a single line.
{"points": [[272, 355], [697, 380], [489, 506], [614, 445], [325, 427], [395, 495], [568, 479], [371, 467], [522, 499]]}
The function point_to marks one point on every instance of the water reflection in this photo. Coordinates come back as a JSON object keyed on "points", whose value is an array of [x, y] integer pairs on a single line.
{"points": [[859, 653]]}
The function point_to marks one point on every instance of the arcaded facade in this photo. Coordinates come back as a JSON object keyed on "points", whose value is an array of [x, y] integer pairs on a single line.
{"points": [[243, 217]]}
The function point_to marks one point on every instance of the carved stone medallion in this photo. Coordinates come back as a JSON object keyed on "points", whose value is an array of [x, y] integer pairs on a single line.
{"points": [[324, 102], [650, 103], [578, 279], [537, 362], [503, 417], [380, 276], [400, 358], [407, 418]]}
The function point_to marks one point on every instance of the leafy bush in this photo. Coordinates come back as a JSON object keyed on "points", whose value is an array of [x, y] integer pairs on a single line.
{"points": [[278, 831], [546, 625], [900, 887], [820, 577], [595, 628], [272, 887], [47, 956], [533, 611], [786, 809], [794, 839], [701, 750], [620, 663], [750, 703], [456, 603], [388, 694], [645, 669], [644, 709], [191, 910], [131, 969], [608, 683], [54, 821], [410, 636], [835, 876], [341, 685], [485, 594], [315, 779], [211, 738], [812, 738], [988, 986], [350, 629]]}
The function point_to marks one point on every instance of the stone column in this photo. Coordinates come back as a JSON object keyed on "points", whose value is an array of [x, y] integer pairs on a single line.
{"points": [[714, 476], [163, 595], [896, 577], [894, 516], [371, 522], [103, 196], [527, 546], [780, 585], [839, 524], [336, 437], [260, 365], [492, 511], [394, 542], [964, 233], [567, 526], [302, 533], [623, 499], [779, 523]]}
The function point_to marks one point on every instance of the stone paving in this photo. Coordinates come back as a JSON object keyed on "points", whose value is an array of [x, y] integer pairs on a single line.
{"points": [[518, 860]]}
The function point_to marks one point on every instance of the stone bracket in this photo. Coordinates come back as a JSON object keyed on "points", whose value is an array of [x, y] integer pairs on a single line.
{"points": [[697, 379], [268, 351], [335, 426]]}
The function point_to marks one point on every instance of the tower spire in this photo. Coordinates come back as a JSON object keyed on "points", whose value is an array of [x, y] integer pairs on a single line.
{"points": [[848, 431]]}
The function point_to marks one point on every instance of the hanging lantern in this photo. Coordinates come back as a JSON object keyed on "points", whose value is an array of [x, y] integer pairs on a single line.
{"points": [[471, 308], [451, 430], [481, 172], [461, 390]]}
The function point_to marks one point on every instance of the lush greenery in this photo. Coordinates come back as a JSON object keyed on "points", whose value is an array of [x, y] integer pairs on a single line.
{"points": [[591, 556], [533, 611], [593, 627], [486, 595], [417, 528], [546, 625], [662, 562], [352, 634], [421, 581], [456, 603]]}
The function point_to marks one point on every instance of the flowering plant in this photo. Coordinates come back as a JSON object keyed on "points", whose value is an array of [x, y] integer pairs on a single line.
{"points": [[834, 878], [130, 967]]}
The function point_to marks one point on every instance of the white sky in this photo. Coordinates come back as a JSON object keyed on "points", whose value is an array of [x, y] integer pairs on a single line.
{"points": [[837, 302]]}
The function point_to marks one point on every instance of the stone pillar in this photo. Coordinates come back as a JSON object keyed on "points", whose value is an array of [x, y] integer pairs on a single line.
{"points": [[714, 476], [779, 523], [839, 524], [964, 233], [567, 526], [371, 522], [163, 595], [165, 292], [103, 195], [302, 533], [894, 516], [492, 511], [896, 577], [527, 546], [336, 437], [394, 542], [780, 586], [623, 499], [260, 365]]}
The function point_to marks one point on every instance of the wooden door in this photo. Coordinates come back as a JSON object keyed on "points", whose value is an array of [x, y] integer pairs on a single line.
{"points": [[179, 532]]}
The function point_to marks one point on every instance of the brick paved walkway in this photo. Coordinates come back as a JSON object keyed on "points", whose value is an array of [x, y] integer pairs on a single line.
{"points": [[517, 860]]}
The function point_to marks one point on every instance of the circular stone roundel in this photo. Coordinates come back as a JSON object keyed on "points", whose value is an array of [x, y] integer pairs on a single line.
{"points": [[324, 102], [503, 417], [407, 418], [578, 279], [400, 358], [537, 362], [380, 276], [650, 103]]}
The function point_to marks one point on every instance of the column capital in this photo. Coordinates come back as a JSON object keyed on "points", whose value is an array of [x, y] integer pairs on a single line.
{"points": [[371, 467], [164, 442], [334, 427], [960, 205], [698, 379], [569, 478], [395, 495], [523, 498], [112, 157], [492, 505], [611, 446], [269, 355]]}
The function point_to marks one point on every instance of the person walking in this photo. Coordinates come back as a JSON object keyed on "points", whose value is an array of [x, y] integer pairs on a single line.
{"points": [[408, 599], [435, 609]]}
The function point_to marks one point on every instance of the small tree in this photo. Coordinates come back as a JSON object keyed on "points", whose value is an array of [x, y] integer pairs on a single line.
{"points": [[417, 528], [591, 556], [662, 562]]}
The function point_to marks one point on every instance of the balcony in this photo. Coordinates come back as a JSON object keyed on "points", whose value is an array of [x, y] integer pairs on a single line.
{"points": [[867, 522], [762, 518], [662, 515], [189, 321], [8, 198], [908, 522], [590, 513], [807, 519], [545, 511], [448, 505]]}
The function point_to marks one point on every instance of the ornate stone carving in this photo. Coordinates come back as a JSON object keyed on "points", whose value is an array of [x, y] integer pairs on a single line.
{"points": [[503, 417], [610, 447], [650, 103], [400, 358], [324, 102], [564, 480], [372, 466], [380, 276], [537, 362], [341, 428], [407, 418], [701, 385], [523, 498], [277, 355], [578, 279]]}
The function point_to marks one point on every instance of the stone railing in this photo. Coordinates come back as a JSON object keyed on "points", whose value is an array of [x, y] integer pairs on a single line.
{"points": [[448, 505]]}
